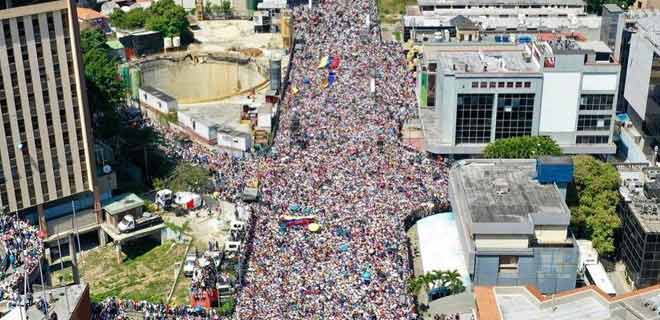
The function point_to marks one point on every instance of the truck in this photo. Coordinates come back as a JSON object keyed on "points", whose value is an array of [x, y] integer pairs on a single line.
{"points": [[164, 198], [129, 224], [188, 200]]}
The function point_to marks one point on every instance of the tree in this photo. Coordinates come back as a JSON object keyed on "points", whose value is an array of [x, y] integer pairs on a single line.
{"points": [[104, 90], [449, 280], [522, 148], [167, 17], [226, 7], [134, 19], [593, 216], [187, 177], [594, 6]]}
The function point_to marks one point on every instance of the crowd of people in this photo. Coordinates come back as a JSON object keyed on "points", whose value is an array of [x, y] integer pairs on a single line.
{"points": [[21, 249], [124, 309], [339, 153]]}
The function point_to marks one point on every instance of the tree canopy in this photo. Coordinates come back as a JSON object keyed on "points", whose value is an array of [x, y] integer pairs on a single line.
{"points": [[593, 216], [164, 16], [595, 6], [522, 148], [104, 90], [167, 17], [133, 19], [449, 280], [185, 177]]}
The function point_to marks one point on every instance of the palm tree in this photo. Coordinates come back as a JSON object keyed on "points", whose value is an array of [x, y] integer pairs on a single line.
{"points": [[454, 281]]}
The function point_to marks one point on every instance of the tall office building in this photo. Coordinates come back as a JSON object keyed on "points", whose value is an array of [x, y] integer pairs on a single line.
{"points": [[45, 137]]}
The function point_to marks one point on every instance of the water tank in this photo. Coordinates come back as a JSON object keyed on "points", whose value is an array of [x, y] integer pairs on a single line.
{"points": [[176, 42], [557, 170], [167, 42], [275, 73]]}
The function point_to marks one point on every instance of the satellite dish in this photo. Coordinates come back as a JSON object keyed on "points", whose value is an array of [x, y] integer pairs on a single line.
{"points": [[107, 169]]}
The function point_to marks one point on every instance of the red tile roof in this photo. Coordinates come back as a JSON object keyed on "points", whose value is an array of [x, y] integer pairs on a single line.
{"points": [[89, 14]]}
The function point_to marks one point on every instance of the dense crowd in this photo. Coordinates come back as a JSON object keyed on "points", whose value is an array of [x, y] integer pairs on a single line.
{"points": [[122, 309], [20, 249], [340, 155]]}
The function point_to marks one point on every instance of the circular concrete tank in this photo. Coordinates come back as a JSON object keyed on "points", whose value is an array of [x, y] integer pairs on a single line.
{"points": [[191, 82]]}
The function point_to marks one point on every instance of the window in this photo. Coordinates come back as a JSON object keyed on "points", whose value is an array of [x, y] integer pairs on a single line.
{"points": [[594, 122], [484, 84], [518, 84], [515, 113], [509, 84], [473, 118], [492, 85], [591, 139], [596, 102], [475, 84], [528, 84], [433, 67], [500, 84], [508, 264]]}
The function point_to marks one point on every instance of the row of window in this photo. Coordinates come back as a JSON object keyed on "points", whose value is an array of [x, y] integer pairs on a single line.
{"points": [[501, 84]]}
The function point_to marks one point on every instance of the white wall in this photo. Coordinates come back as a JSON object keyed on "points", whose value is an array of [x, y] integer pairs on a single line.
{"points": [[156, 103], [599, 82], [639, 71], [550, 234], [484, 241], [559, 105], [241, 143]]}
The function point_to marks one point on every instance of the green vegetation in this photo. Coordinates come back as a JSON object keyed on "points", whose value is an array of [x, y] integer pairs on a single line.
{"points": [[185, 177], [450, 280], [227, 308], [522, 148], [167, 17], [593, 207], [145, 273], [164, 16], [391, 10], [595, 6], [133, 19]]}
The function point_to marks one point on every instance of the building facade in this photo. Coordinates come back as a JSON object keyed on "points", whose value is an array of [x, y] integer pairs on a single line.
{"points": [[46, 147], [640, 224], [473, 94], [513, 229]]}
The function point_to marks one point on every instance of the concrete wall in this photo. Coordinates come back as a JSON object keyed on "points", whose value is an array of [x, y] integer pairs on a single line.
{"points": [[236, 142], [638, 74], [483, 241], [157, 103], [199, 128], [550, 234], [190, 83]]}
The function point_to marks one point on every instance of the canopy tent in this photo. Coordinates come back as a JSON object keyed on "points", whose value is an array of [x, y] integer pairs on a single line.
{"points": [[324, 62], [335, 63]]}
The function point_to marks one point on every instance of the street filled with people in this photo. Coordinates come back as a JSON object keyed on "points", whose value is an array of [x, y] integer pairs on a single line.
{"points": [[340, 163]]}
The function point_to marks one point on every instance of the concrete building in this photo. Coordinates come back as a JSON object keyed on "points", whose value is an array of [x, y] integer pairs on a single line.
{"points": [[67, 303], [156, 101], [514, 8], [513, 221], [641, 81], [46, 146], [640, 223], [526, 303], [471, 94]]}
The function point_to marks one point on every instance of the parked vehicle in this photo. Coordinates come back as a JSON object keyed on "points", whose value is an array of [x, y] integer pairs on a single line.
{"points": [[189, 265], [130, 224]]}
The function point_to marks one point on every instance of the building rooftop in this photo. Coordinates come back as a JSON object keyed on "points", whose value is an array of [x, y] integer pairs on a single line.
{"points": [[160, 94], [612, 8], [89, 14], [122, 203], [637, 179], [479, 58], [59, 304], [500, 2], [505, 192], [491, 21], [223, 116], [527, 303]]}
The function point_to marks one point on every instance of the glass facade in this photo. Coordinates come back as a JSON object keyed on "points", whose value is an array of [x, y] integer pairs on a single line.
{"points": [[592, 139], [515, 113], [593, 122], [474, 116], [596, 102], [640, 251]]}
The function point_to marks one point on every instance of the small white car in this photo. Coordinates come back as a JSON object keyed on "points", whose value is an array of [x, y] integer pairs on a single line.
{"points": [[189, 265]]}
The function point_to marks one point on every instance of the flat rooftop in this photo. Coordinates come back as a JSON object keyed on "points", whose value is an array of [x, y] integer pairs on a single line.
{"points": [[122, 203], [58, 304], [527, 303], [505, 191], [491, 58], [645, 210], [222, 115], [160, 94], [500, 2], [490, 20]]}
